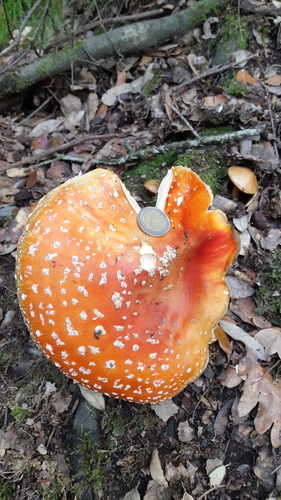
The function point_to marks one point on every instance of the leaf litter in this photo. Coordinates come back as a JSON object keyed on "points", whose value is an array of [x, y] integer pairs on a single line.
{"points": [[128, 109]]}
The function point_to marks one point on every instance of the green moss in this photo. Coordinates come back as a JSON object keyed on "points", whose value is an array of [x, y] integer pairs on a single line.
{"points": [[157, 168], [221, 130], [268, 299], [237, 89], [6, 491], [210, 166], [153, 84], [234, 27], [127, 437]]}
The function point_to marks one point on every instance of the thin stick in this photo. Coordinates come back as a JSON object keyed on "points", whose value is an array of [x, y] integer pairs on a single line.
{"points": [[214, 71], [183, 119], [29, 160]]}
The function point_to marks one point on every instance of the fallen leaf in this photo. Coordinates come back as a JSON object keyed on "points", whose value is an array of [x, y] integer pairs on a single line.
{"points": [[229, 378], [217, 476], [185, 432], [132, 495], [156, 471], [252, 344], [70, 104], [260, 389], [245, 77], [212, 101], [238, 289], [165, 410], [270, 338], [46, 127], [94, 399], [223, 340], [274, 80], [176, 473], [272, 240]]}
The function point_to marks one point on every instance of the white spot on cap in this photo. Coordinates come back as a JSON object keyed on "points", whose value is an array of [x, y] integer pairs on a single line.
{"points": [[103, 265], [34, 288], [153, 355], [70, 330], [119, 344], [98, 314], [38, 333], [83, 290], [164, 367], [57, 244], [47, 290], [99, 330], [83, 315], [33, 249], [103, 279], [45, 271], [117, 300], [49, 348], [51, 256], [135, 347], [119, 328], [128, 362], [110, 364], [85, 371], [93, 349]]}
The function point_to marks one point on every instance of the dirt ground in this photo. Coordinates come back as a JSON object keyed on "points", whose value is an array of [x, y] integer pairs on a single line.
{"points": [[221, 437]]}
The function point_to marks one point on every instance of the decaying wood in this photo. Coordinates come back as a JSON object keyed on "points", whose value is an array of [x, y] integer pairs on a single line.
{"points": [[120, 41]]}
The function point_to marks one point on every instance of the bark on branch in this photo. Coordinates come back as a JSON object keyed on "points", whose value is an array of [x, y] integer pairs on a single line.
{"points": [[120, 41]]}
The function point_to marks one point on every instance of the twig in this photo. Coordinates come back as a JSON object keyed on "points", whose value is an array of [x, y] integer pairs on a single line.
{"points": [[22, 26], [173, 146], [143, 153], [214, 71], [36, 110], [29, 160], [271, 121], [183, 119]]}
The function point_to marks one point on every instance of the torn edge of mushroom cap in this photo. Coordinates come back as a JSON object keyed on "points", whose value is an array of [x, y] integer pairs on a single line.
{"points": [[166, 182], [134, 204], [164, 190]]}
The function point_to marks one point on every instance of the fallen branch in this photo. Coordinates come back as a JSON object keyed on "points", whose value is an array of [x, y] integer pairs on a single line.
{"points": [[173, 146], [126, 39], [156, 150]]}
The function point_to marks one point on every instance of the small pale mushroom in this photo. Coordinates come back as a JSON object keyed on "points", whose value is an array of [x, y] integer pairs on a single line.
{"points": [[244, 179], [120, 307]]}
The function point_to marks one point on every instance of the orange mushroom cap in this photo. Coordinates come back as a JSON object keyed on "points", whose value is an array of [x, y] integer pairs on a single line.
{"points": [[120, 311]]}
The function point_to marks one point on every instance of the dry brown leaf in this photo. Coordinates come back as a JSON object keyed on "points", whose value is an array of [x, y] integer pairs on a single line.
{"points": [[260, 389], [223, 340], [270, 338], [245, 77], [155, 468], [274, 80], [212, 101], [253, 346], [230, 378]]}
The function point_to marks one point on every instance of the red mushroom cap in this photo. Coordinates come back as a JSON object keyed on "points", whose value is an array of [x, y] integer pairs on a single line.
{"points": [[118, 310]]}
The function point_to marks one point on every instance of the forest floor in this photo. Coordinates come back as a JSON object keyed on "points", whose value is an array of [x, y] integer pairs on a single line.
{"points": [[218, 440]]}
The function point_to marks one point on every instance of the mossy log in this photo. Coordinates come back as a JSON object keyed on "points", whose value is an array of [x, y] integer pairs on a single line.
{"points": [[121, 41]]}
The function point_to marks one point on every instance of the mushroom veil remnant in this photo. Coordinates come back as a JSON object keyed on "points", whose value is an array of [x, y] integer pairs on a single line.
{"points": [[119, 310]]}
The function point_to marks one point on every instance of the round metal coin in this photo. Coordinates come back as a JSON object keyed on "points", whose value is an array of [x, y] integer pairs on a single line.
{"points": [[153, 221]]}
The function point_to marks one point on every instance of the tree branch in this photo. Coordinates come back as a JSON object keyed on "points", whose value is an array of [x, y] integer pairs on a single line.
{"points": [[126, 39]]}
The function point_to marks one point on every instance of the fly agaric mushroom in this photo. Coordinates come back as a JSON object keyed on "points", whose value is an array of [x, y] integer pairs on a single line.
{"points": [[118, 308]]}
